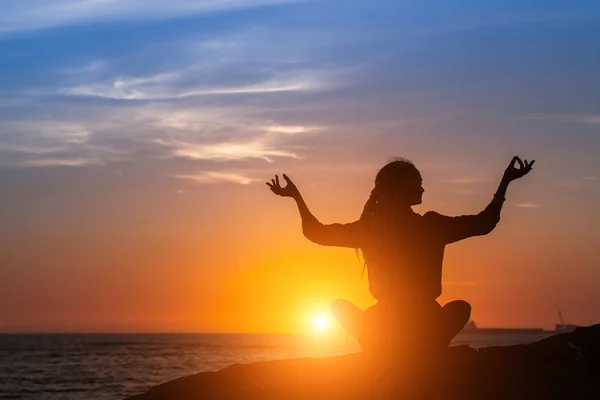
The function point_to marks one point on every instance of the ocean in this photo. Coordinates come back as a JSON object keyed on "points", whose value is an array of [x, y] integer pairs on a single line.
{"points": [[115, 366]]}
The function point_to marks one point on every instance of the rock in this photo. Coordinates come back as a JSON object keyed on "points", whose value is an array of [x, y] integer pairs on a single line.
{"points": [[565, 366]]}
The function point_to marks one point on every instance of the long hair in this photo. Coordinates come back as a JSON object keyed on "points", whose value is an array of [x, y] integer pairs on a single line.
{"points": [[380, 213]]}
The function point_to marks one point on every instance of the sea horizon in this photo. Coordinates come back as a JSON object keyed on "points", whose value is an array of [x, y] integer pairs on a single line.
{"points": [[111, 366], [544, 329]]}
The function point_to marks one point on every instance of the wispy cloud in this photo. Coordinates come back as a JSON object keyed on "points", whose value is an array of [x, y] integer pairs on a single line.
{"points": [[576, 119], [216, 176], [89, 68], [225, 151], [35, 140], [44, 143], [166, 87], [465, 192], [197, 107], [61, 162], [57, 130], [528, 205], [246, 62], [18, 15], [466, 181], [291, 130], [581, 182], [163, 131], [29, 149]]}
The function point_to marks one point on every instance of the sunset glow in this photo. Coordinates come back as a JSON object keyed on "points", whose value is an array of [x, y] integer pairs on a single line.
{"points": [[321, 323]]}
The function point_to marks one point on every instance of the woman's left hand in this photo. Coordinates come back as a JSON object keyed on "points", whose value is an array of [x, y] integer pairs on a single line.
{"points": [[512, 172]]}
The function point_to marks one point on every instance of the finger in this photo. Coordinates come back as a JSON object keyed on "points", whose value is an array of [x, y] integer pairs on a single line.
{"points": [[269, 185], [277, 179], [531, 164], [273, 182], [287, 179], [513, 162], [520, 162]]}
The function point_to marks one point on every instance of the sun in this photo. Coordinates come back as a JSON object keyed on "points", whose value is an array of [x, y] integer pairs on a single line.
{"points": [[321, 323]]}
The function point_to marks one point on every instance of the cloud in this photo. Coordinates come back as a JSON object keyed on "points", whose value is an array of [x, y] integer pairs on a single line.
{"points": [[66, 132], [57, 131], [466, 181], [166, 87], [226, 151], [194, 108], [465, 192], [528, 205], [576, 119], [83, 135], [291, 130], [42, 138], [29, 149], [20, 15], [210, 102], [47, 143], [89, 68], [61, 162], [584, 119], [223, 134], [250, 61], [192, 121], [214, 176], [579, 183]]}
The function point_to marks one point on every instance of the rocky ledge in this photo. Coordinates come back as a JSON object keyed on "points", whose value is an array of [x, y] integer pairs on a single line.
{"points": [[565, 366]]}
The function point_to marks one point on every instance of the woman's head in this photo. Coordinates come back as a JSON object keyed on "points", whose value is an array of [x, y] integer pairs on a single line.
{"points": [[398, 186], [399, 182]]}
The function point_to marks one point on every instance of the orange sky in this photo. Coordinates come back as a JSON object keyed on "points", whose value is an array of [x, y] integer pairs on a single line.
{"points": [[233, 258]]}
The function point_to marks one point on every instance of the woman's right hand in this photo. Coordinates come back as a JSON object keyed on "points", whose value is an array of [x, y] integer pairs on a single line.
{"points": [[290, 190]]}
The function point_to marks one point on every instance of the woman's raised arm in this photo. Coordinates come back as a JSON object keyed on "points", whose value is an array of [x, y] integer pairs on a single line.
{"points": [[454, 229], [342, 235]]}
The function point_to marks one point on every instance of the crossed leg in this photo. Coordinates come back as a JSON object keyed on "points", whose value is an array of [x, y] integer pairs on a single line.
{"points": [[350, 317], [454, 315]]}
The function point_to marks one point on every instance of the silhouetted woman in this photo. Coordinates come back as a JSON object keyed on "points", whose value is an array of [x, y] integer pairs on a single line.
{"points": [[403, 253]]}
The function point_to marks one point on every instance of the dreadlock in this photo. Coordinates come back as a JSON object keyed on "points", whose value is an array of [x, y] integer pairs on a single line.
{"points": [[380, 213]]}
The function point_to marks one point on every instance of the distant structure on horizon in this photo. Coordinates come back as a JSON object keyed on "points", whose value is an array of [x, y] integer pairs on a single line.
{"points": [[561, 327], [472, 327]]}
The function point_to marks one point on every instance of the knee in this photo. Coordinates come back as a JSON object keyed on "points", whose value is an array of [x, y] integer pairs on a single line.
{"points": [[465, 309], [464, 306], [460, 308], [338, 306]]}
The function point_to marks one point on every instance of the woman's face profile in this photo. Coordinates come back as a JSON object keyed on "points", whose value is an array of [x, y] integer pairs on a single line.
{"points": [[412, 188], [417, 190]]}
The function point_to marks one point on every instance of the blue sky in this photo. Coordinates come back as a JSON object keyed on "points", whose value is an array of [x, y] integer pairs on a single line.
{"points": [[98, 82], [106, 104]]}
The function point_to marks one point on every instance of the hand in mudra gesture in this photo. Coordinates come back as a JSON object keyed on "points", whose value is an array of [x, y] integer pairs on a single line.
{"points": [[512, 172], [290, 190]]}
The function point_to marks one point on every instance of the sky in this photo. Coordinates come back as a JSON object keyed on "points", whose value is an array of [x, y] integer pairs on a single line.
{"points": [[136, 137]]}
